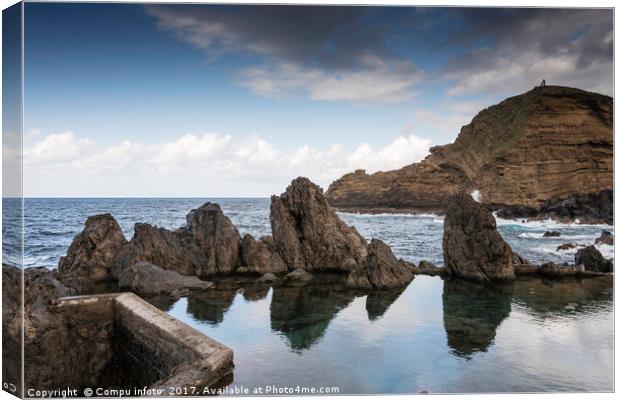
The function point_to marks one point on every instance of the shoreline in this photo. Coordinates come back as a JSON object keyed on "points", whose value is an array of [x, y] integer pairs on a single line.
{"points": [[439, 213]]}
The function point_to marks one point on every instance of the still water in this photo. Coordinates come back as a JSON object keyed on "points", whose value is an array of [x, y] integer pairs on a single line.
{"points": [[435, 336]]}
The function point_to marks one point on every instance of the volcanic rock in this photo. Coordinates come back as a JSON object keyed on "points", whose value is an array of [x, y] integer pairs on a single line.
{"points": [[383, 269], [160, 247], [267, 278], [517, 259], [145, 278], [593, 260], [605, 238], [215, 236], [93, 250], [472, 246], [257, 258], [549, 150], [309, 235], [298, 276], [207, 246], [566, 246], [428, 268], [54, 349], [549, 269]]}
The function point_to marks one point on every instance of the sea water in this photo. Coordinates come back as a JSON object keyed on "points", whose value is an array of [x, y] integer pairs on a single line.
{"points": [[51, 224]]}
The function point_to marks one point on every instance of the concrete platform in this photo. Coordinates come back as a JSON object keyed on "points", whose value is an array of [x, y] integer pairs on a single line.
{"points": [[149, 347]]}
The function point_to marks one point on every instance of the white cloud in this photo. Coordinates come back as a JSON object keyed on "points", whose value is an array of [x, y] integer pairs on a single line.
{"points": [[376, 81], [208, 165]]}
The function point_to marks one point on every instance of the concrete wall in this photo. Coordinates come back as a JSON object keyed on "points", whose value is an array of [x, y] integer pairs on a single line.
{"points": [[149, 347]]}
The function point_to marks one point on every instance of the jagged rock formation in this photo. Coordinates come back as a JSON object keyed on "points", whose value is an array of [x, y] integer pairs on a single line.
{"points": [[426, 268], [381, 269], [207, 246], [55, 354], [298, 277], [549, 150], [593, 260], [309, 235], [148, 279], [12, 323], [605, 238], [93, 250], [257, 258], [472, 246]]}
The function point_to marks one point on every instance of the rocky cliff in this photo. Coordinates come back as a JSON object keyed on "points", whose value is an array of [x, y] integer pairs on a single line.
{"points": [[527, 154]]}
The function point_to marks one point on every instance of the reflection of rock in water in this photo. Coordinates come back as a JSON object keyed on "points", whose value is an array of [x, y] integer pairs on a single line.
{"points": [[255, 292], [302, 314], [379, 301], [547, 298], [211, 305], [472, 312], [164, 302]]}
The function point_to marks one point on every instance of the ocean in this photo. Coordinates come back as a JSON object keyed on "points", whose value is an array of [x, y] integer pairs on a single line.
{"points": [[51, 224]]}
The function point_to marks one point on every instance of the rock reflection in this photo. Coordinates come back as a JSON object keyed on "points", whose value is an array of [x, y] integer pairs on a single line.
{"points": [[211, 305], [303, 314], [471, 314], [545, 298], [255, 292], [379, 301], [163, 302]]}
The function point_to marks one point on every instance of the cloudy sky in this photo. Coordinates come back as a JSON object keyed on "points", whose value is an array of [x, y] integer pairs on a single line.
{"points": [[190, 100]]}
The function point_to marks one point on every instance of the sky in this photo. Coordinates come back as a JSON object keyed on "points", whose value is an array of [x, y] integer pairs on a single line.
{"points": [[229, 101]]}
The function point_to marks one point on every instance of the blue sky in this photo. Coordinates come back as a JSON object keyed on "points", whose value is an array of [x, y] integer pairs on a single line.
{"points": [[187, 100]]}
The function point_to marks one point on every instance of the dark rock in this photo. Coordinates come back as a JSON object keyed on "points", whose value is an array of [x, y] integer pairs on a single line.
{"points": [[552, 234], [145, 278], [207, 246], [472, 246], [160, 247], [309, 235], [605, 238], [58, 350], [593, 260], [566, 246], [12, 325], [215, 236], [298, 276], [549, 269], [430, 269], [517, 259], [588, 208], [242, 270], [526, 269], [268, 241], [93, 250], [383, 269], [257, 257], [267, 278]]}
